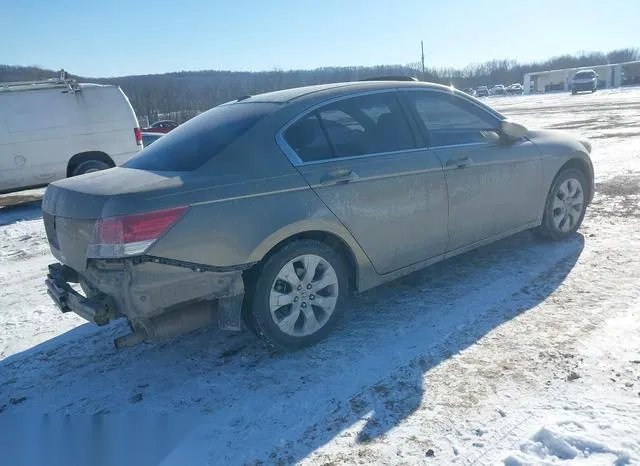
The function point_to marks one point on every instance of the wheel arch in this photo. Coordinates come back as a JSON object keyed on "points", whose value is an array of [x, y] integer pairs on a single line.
{"points": [[81, 157], [347, 248], [583, 166]]}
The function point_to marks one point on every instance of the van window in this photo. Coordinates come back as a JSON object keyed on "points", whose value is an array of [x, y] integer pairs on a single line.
{"points": [[195, 142]]}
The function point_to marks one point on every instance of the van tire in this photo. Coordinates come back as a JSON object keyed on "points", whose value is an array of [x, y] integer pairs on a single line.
{"points": [[89, 166]]}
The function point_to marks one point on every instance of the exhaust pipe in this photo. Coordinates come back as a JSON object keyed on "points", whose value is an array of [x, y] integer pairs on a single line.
{"points": [[129, 340], [169, 325]]}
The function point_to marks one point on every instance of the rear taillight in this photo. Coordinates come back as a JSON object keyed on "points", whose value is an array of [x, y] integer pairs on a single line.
{"points": [[130, 235], [138, 134]]}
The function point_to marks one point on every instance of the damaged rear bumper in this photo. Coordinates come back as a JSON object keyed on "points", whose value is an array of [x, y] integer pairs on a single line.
{"points": [[99, 309], [160, 298]]}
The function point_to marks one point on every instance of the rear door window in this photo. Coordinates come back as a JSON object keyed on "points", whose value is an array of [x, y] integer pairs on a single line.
{"points": [[308, 140], [195, 142], [355, 126]]}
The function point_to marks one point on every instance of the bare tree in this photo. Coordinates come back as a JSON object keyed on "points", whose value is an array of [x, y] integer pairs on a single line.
{"points": [[184, 94]]}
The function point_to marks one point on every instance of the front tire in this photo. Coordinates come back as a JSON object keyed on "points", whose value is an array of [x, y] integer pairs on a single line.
{"points": [[297, 295], [565, 206]]}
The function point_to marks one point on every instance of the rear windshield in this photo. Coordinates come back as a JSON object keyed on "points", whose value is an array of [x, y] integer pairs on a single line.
{"points": [[584, 75], [195, 142]]}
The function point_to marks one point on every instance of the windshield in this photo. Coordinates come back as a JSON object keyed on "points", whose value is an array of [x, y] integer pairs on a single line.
{"points": [[195, 142], [585, 75]]}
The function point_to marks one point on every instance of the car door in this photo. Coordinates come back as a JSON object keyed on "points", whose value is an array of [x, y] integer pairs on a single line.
{"points": [[360, 156], [494, 186]]}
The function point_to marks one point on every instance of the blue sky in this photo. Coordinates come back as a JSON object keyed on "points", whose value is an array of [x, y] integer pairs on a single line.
{"points": [[117, 37]]}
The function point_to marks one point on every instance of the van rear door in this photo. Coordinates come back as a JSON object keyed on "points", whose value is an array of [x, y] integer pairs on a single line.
{"points": [[30, 147], [11, 161]]}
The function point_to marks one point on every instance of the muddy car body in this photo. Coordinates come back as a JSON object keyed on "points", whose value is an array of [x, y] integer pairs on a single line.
{"points": [[270, 209]]}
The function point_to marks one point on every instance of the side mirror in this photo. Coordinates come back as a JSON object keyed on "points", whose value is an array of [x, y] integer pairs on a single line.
{"points": [[512, 130]]}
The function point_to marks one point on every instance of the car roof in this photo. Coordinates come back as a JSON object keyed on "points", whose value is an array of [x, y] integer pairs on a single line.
{"points": [[288, 95]]}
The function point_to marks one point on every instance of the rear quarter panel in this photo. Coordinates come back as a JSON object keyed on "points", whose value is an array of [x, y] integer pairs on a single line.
{"points": [[252, 200]]}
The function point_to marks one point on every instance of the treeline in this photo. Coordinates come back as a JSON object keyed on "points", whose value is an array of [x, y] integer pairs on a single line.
{"points": [[190, 92]]}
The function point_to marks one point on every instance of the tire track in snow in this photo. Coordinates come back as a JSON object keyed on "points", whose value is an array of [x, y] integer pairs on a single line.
{"points": [[530, 355]]}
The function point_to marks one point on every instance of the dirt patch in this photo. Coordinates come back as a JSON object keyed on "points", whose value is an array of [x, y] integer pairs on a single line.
{"points": [[614, 123], [622, 185], [573, 124], [618, 197], [615, 135], [16, 200]]}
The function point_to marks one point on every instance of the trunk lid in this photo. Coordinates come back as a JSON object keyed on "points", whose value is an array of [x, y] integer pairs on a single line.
{"points": [[71, 207]]}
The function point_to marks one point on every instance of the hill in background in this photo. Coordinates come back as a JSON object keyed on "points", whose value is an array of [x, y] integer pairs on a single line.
{"points": [[186, 93]]}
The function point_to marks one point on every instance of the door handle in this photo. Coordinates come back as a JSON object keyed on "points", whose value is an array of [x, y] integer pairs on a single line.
{"points": [[461, 162], [341, 175]]}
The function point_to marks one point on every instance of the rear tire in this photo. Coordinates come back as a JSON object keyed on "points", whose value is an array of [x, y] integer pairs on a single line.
{"points": [[297, 295], [565, 206], [89, 166]]}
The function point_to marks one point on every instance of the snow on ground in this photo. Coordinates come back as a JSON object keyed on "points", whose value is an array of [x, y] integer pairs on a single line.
{"points": [[518, 353]]}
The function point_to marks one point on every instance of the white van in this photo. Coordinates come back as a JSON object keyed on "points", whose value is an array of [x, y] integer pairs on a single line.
{"points": [[58, 128]]}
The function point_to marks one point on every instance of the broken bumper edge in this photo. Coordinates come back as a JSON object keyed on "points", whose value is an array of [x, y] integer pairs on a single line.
{"points": [[99, 309]]}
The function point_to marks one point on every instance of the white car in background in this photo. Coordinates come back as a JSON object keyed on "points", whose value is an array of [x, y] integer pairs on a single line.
{"points": [[515, 89], [57, 128], [498, 89], [482, 91]]}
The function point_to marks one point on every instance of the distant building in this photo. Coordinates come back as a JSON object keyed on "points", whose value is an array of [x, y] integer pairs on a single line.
{"points": [[609, 76]]}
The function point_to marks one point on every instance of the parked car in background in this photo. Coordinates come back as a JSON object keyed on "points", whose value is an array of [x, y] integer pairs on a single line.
{"points": [[272, 208], [554, 87], [515, 89], [498, 89], [149, 138], [469, 91], [482, 91], [584, 81], [57, 128], [162, 126]]}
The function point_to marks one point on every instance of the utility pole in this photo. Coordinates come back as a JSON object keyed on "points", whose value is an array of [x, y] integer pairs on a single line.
{"points": [[422, 49]]}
